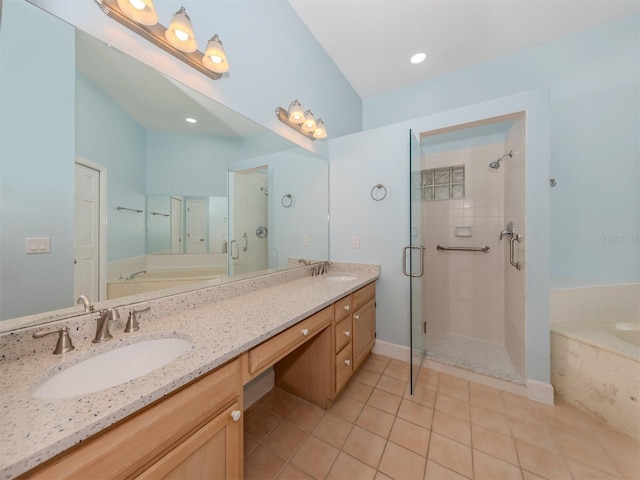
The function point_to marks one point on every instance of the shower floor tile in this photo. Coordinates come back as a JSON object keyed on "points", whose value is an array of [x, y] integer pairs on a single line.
{"points": [[475, 355], [457, 438]]}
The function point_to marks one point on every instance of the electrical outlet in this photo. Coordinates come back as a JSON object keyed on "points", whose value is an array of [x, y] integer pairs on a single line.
{"points": [[305, 240], [355, 241]]}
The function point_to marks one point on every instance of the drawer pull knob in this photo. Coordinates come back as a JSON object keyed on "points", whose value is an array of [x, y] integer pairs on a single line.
{"points": [[347, 362], [347, 308], [347, 333], [305, 331], [356, 316], [235, 415]]}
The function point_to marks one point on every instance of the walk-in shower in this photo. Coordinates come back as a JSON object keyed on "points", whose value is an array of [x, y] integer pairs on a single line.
{"points": [[472, 293], [496, 163]]}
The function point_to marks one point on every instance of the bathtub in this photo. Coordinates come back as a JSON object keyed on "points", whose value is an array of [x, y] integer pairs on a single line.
{"points": [[157, 280], [595, 366]]}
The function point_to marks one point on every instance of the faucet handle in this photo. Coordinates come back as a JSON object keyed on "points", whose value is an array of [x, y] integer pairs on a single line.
{"points": [[132, 321], [64, 344]]}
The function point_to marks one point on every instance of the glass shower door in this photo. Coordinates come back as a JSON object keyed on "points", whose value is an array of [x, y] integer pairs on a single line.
{"points": [[415, 261]]}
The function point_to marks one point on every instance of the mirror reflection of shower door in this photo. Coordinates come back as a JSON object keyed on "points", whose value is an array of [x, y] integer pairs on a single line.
{"points": [[248, 210], [416, 265], [176, 225]]}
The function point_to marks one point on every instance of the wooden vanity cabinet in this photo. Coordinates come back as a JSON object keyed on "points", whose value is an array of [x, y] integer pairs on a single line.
{"points": [[355, 331], [193, 433]]}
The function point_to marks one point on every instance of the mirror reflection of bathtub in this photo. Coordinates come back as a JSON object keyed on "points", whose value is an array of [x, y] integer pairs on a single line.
{"points": [[167, 271]]}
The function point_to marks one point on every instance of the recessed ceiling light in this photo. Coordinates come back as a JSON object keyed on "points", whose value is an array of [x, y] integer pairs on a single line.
{"points": [[418, 58], [190, 120]]}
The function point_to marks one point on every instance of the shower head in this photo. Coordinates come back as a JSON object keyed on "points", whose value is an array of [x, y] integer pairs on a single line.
{"points": [[496, 163]]}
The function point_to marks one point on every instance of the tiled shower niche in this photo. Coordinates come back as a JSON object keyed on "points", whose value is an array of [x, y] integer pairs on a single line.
{"points": [[440, 183]]}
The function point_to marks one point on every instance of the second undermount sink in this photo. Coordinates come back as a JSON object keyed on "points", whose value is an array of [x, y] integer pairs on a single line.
{"points": [[340, 277], [112, 368]]}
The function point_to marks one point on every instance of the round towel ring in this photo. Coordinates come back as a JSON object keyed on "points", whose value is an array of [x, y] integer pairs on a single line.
{"points": [[377, 197], [287, 200]]}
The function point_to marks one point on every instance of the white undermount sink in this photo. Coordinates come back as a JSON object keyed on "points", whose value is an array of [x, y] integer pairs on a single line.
{"points": [[112, 368], [340, 277]]}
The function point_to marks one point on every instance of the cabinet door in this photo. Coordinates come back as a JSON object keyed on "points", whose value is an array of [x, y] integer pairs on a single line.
{"points": [[364, 331], [213, 452]]}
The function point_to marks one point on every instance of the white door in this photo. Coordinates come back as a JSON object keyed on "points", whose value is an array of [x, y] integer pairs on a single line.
{"points": [[87, 232], [176, 225], [196, 226]]}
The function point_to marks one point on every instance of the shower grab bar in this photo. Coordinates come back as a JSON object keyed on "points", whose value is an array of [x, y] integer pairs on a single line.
{"points": [[516, 237], [484, 249]]}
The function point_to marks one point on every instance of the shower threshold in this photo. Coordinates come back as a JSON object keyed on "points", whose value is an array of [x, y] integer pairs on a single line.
{"points": [[475, 355]]}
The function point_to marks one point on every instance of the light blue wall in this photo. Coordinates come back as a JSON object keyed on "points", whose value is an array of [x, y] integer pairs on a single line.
{"points": [[106, 135], [36, 163], [592, 77], [183, 164]]}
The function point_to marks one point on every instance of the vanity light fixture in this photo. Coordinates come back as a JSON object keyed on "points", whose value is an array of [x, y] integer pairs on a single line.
{"points": [[140, 11], [302, 121], [178, 40], [180, 32], [215, 58]]}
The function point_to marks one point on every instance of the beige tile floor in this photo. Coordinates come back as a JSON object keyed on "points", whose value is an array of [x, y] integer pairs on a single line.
{"points": [[449, 429]]}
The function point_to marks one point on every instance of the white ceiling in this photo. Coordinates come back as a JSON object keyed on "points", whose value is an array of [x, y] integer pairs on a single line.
{"points": [[371, 41]]}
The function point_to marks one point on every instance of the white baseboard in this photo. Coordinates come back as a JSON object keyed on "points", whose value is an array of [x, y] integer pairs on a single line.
{"points": [[533, 389], [540, 391], [391, 350], [258, 387]]}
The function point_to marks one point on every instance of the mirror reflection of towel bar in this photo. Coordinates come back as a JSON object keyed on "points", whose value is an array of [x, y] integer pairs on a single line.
{"points": [[484, 249]]}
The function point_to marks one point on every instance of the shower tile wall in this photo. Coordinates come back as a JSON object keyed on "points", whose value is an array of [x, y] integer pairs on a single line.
{"points": [[465, 290]]}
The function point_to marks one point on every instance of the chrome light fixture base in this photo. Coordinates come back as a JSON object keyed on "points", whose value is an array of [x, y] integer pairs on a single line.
{"points": [[283, 116], [156, 35]]}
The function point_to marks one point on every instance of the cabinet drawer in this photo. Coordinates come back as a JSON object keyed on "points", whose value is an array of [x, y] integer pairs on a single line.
{"points": [[362, 296], [344, 368], [343, 333], [342, 308], [269, 352]]}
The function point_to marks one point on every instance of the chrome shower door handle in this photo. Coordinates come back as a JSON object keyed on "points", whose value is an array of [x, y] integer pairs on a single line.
{"points": [[246, 242], [421, 260], [516, 237], [236, 257]]}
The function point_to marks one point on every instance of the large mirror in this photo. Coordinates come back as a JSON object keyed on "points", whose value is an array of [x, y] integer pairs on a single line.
{"points": [[109, 191]]}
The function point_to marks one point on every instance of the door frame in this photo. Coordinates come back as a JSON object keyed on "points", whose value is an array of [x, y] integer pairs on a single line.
{"points": [[102, 219]]}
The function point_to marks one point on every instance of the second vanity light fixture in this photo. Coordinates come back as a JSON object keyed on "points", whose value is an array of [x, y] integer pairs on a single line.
{"points": [[178, 40], [302, 121]]}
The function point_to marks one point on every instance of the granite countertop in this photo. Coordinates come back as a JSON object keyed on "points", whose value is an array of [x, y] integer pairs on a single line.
{"points": [[33, 430]]}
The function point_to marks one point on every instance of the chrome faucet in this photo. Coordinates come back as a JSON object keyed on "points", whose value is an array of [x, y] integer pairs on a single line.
{"points": [[321, 267], [102, 331], [85, 302], [306, 262]]}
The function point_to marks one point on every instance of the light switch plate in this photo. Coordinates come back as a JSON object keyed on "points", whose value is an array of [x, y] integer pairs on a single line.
{"points": [[37, 245]]}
